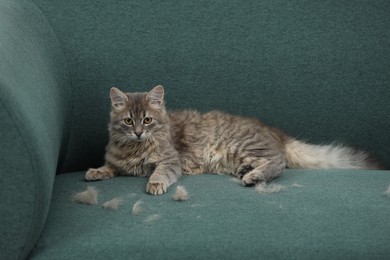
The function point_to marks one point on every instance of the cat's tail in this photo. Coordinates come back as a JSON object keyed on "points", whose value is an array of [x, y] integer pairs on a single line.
{"points": [[309, 156]]}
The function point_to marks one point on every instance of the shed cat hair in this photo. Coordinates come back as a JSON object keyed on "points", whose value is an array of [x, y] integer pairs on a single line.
{"points": [[115, 203], [137, 208], [89, 196], [147, 140], [181, 194], [387, 192], [272, 188]]}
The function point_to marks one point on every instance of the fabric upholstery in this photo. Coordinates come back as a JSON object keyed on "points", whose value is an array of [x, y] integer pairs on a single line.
{"points": [[34, 113], [318, 215]]}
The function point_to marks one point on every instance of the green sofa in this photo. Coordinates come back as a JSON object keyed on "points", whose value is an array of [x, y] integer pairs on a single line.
{"points": [[320, 70]]}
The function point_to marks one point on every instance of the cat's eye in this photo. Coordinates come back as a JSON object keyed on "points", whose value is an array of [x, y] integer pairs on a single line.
{"points": [[128, 121], [147, 120]]}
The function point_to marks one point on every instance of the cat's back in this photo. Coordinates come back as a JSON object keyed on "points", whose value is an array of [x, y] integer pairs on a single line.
{"points": [[188, 119], [191, 121], [191, 126], [182, 118]]}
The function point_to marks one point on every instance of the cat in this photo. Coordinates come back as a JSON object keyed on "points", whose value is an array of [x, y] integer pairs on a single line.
{"points": [[147, 140]]}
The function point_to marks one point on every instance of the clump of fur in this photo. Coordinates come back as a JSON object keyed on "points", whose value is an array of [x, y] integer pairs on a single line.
{"points": [[88, 196], [152, 218], [296, 185], [137, 208], [181, 194], [272, 188], [113, 204], [387, 192]]}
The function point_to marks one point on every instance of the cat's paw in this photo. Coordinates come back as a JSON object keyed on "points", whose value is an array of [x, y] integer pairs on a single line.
{"points": [[156, 188], [101, 173], [252, 178]]}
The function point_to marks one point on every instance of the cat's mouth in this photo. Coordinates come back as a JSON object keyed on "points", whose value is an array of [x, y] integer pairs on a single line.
{"points": [[138, 138]]}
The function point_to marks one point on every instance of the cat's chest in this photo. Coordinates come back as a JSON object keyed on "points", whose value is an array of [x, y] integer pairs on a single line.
{"points": [[137, 167], [132, 160], [134, 164]]}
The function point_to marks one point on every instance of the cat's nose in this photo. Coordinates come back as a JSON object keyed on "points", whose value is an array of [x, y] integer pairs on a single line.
{"points": [[138, 134]]}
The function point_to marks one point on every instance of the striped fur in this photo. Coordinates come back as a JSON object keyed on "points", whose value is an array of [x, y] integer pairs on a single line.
{"points": [[163, 145]]}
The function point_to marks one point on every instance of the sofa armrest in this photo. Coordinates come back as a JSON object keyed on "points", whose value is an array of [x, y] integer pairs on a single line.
{"points": [[35, 96]]}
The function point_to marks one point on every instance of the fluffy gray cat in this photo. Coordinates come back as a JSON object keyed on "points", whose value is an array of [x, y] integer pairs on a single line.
{"points": [[147, 140]]}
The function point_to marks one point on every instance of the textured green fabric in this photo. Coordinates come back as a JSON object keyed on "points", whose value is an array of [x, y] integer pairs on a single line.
{"points": [[34, 110], [317, 69], [331, 215]]}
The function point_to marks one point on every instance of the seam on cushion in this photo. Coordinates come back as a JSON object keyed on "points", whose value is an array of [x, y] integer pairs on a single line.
{"points": [[69, 116], [33, 166]]}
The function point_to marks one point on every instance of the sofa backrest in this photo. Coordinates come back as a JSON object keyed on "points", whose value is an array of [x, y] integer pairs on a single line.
{"points": [[320, 70]]}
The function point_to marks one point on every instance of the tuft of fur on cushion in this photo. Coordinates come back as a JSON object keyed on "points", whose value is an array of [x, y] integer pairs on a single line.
{"points": [[272, 188], [88, 196], [181, 194], [387, 192], [296, 185], [152, 218], [137, 209], [113, 204]]}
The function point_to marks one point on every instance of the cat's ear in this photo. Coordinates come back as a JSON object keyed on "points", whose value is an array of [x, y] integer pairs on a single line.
{"points": [[118, 99], [156, 97]]}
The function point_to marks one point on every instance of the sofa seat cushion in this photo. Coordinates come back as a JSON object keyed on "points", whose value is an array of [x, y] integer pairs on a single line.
{"points": [[317, 214]]}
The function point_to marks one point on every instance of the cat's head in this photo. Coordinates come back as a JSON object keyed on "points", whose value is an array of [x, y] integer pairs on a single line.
{"points": [[137, 116]]}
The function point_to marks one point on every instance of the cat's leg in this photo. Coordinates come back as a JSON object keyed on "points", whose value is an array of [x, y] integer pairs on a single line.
{"points": [[100, 173], [165, 174], [261, 170]]}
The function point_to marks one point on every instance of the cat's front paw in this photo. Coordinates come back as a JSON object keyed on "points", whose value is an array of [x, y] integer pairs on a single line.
{"points": [[252, 178], [156, 188], [101, 173]]}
